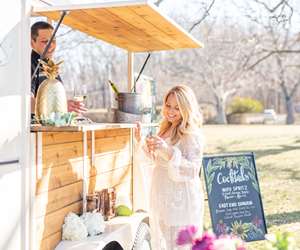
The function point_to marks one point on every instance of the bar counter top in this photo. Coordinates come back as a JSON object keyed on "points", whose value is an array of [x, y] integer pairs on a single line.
{"points": [[85, 127]]}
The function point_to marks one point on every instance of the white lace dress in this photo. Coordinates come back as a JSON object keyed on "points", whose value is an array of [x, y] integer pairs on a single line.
{"points": [[176, 195]]}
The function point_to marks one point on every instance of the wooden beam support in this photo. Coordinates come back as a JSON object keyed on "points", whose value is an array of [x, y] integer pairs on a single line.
{"points": [[130, 70]]}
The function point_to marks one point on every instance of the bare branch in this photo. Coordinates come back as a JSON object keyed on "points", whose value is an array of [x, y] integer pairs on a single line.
{"points": [[206, 13], [295, 88], [77, 43], [286, 51], [292, 10], [282, 2], [293, 66], [230, 92], [158, 2], [280, 17], [260, 60], [65, 33]]}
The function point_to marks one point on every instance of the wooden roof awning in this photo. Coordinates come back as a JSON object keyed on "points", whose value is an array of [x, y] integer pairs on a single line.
{"points": [[136, 26]]}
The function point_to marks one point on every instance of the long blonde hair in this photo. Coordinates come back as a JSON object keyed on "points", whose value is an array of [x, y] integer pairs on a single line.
{"points": [[189, 109]]}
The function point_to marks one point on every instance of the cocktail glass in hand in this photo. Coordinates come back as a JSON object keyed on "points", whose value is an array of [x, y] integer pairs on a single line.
{"points": [[150, 146], [80, 95]]}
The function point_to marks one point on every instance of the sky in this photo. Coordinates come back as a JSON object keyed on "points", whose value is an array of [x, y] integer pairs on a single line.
{"points": [[192, 9], [230, 10]]}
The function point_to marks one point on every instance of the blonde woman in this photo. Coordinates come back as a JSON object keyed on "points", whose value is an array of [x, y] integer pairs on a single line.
{"points": [[176, 196]]}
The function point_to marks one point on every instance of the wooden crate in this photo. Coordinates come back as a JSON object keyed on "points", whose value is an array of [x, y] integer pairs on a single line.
{"points": [[59, 182]]}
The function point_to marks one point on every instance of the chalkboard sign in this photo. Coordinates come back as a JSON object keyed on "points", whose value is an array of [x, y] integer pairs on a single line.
{"points": [[234, 197]]}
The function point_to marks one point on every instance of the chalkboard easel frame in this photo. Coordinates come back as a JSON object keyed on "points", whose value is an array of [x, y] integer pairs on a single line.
{"points": [[212, 164]]}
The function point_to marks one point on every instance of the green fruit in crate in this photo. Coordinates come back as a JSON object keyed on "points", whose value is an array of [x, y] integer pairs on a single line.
{"points": [[51, 95], [123, 210]]}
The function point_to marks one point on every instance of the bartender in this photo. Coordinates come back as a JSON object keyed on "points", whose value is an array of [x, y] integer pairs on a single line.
{"points": [[40, 35]]}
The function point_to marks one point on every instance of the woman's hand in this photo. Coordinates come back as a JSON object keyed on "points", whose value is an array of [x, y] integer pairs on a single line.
{"points": [[76, 106], [155, 143], [138, 132]]}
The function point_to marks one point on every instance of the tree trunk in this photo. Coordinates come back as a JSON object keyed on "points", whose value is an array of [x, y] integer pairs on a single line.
{"points": [[290, 118], [221, 114]]}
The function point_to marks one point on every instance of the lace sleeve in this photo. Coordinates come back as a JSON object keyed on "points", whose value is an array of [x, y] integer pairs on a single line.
{"points": [[141, 153], [186, 161]]}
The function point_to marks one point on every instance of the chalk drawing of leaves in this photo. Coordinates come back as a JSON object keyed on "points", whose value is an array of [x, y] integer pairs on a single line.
{"points": [[219, 163], [210, 174], [209, 167], [213, 165], [252, 175], [246, 163], [230, 162], [234, 161], [254, 232], [243, 161], [210, 181]]}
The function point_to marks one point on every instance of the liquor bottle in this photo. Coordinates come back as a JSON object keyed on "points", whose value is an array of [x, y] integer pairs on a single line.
{"points": [[113, 86]]}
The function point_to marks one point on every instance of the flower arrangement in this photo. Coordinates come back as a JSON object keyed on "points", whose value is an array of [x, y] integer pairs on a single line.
{"points": [[79, 228], [208, 241], [94, 223], [73, 228]]}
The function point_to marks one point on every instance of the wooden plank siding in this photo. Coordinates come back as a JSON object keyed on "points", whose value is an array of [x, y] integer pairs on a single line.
{"points": [[50, 242], [59, 185], [135, 27], [52, 223]]}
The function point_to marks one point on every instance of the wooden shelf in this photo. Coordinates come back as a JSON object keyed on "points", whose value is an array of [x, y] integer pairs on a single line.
{"points": [[137, 26], [88, 127]]}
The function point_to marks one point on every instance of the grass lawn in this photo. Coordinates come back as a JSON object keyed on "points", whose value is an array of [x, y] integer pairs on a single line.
{"points": [[277, 150]]}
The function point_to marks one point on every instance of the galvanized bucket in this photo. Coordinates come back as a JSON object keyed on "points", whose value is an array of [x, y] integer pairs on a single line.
{"points": [[130, 103], [134, 103], [123, 117], [133, 107]]}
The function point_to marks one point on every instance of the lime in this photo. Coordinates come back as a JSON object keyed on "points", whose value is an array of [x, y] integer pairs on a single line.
{"points": [[123, 210]]}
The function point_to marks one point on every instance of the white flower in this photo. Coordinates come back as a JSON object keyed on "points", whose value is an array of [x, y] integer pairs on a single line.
{"points": [[73, 228], [224, 244], [94, 223]]}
